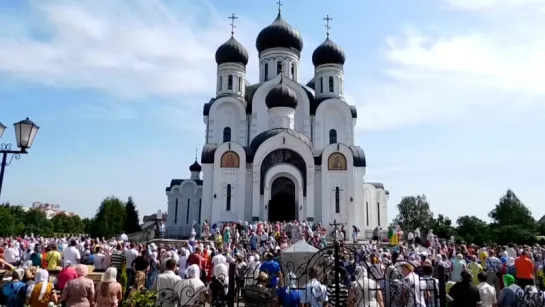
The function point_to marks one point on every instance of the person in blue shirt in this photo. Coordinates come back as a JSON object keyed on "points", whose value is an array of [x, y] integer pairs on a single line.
{"points": [[272, 268], [14, 292], [288, 295]]}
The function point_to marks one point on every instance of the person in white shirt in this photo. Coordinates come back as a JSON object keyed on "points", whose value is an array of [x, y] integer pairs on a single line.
{"points": [[412, 283], [486, 291], [98, 260], [315, 294], [130, 255], [11, 255], [72, 253], [165, 283], [182, 263]]}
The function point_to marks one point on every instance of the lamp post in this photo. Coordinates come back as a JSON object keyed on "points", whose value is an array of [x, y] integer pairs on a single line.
{"points": [[25, 132]]}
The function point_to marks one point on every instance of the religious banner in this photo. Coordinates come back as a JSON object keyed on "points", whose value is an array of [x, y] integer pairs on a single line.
{"points": [[336, 162], [230, 159]]}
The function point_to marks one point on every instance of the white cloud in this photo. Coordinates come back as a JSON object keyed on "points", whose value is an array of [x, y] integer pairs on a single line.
{"points": [[480, 5], [489, 71], [125, 48]]}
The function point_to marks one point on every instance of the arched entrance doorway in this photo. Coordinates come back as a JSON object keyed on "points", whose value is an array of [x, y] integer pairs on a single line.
{"points": [[282, 206]]}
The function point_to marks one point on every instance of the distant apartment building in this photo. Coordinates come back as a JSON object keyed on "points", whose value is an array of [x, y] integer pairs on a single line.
{"points": [[50, 210]]}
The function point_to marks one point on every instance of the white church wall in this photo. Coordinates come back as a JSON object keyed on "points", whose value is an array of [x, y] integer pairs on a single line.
{"points": [[183, 204], [318, 202], [207, 188], [237, 73], [227, 112], [225, 177], [375, 204], [344, 180], [268, 64], [333, 114], [248, 196], [283, 140], [322, 76], [261, 112]]}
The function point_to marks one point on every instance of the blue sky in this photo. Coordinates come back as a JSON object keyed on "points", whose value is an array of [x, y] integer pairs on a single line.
{"points": [[450, 96]]}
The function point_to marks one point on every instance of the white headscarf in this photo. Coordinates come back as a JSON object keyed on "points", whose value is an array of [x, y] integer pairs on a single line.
{"points": [[193, 271], [360, 272], [42, 276], [110, 275]]}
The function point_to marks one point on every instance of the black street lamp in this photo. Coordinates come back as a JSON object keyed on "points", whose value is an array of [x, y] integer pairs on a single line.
{"points": [[25, 132]]}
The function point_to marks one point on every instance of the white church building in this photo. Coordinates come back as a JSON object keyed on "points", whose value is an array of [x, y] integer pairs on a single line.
{"points": [[279, 149]]}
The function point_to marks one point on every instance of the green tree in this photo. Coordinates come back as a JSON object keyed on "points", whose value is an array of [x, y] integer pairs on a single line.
{"points": [[414, 211], [87, 225], [442, 227], [512, 221], [36, 222], [511, 211], [7, 226], [76, 225], [471, 229], [60, 222], [109, 219], [132, 220]]}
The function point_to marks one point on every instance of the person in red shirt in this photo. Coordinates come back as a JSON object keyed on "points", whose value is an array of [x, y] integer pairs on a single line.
{"points": [[198, 259], [66, 275]]}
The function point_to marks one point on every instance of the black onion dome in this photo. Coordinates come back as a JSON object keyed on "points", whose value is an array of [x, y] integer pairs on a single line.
{"points": [[279, 34], [328, 53], [195, 167], [232, 52], [281, 96]]}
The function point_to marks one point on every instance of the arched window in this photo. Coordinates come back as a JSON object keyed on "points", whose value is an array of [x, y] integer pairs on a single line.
{"points": [[228, 202], [367, 212], [293, 71], [220, 85], [240, 84], [378, 212], [337, 200], [279, 67], [226, 134], [176, 212], [332, 136], [321, 80], [266, 68], [230, 82], [331, 88], [187, 212]]}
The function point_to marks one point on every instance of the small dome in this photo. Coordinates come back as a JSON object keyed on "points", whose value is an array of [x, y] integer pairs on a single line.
{"points": [[328, 53], [232, 52], [195, 167], [281, 96], [279, 34]]}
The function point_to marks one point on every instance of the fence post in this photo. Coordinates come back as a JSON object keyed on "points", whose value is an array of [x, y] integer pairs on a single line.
{"points": [[441, 276], [337, 272], [232, 294]]}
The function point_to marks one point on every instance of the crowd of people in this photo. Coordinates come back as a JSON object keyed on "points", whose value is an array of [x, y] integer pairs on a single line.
{"points": [[365, 273]]}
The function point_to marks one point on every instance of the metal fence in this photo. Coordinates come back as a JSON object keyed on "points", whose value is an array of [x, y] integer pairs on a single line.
{"points": [[340, 275]]}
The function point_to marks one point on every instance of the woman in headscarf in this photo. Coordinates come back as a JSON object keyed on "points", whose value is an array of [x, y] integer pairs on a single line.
{"points": [[153, 269], [508, 295], [475, 268], [42, 293], [79, 292], [191, 289], [108, 291], [14, 291], [364, 291]]}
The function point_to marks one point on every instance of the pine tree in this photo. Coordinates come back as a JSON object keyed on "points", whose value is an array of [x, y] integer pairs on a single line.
{"points": [[132, 220]]}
